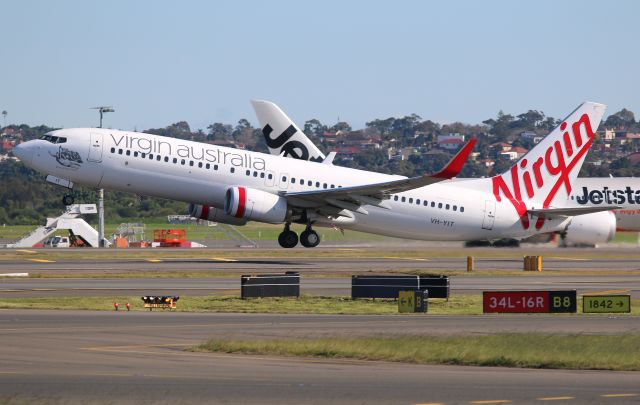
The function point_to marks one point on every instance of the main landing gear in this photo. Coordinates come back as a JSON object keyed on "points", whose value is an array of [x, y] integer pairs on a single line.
{"points": [[289, 239]]}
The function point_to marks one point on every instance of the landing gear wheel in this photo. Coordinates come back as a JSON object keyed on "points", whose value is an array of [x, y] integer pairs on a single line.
{"points": [[309, 238], [288, 239], [68, 199]]}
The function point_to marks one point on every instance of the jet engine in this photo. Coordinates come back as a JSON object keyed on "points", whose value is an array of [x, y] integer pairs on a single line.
{"points": [[255, 205], [214, 214], [591, 229]]}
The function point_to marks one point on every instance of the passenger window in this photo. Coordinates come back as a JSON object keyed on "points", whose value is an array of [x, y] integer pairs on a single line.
{"points": [[175, 160], [301, 182], [446, 206], [143, 155], [411, 200], [262, 175], [200, 165], [119, 151], [284, 178], [433, 204], [455, 208], [461, 209], [135, 154], [207, 166], [332, 186], [255, 174], [309, 183], [425, 203], [439, 205], [293, 180], [215, 167], [318, 184], [113, 150], [404, 199], [191, 163], [270, 176], [150, 156], [248, 172], [395, 198], [182, 162], [128, 153], [166, 159], [418, 201], [158, 157], [233, 170]]}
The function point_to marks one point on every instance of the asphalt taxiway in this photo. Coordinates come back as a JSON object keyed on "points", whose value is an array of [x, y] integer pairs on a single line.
{"points": [[139, 357]]}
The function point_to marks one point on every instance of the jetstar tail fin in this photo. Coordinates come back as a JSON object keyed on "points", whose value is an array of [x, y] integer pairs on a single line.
{"points": [[282, 135]]}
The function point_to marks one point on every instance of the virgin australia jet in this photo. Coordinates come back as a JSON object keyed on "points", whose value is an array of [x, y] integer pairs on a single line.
{"points": [[283, 137], [235, 186]]}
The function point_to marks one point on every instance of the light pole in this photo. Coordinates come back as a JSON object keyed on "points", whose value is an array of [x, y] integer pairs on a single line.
{"points": [[101, 110]]}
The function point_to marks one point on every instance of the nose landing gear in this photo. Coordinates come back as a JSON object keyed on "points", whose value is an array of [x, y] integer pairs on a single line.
{"points": [[68, 199]]}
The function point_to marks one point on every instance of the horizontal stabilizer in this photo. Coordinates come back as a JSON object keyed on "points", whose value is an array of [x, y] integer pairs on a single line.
{"points": [[569, 212]]}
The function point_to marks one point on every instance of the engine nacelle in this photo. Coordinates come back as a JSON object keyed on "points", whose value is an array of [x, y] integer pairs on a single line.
{"points": [[255, 205], [591, 229], [214, 214]]}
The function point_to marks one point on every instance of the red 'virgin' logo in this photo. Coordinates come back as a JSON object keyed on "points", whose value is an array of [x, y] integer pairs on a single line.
{"points": [[558, 171]]}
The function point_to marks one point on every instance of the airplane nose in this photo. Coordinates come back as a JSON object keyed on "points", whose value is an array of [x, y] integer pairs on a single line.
{"points": [[24, 153]]}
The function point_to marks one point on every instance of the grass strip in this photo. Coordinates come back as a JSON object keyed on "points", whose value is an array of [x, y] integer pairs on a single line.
{"points": [[576, 352], [460, 305], [457, 305]]}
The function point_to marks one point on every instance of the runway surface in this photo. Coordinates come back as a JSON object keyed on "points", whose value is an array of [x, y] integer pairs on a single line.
{"points": [[138, 357], [319, 275], [52, 287]]}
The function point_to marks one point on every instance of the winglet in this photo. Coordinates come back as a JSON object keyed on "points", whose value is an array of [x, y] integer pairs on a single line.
{"points": [[455, 165]]}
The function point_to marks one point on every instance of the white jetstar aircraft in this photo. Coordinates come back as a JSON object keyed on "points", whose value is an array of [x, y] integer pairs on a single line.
{"points": [[235, 186], [594, 228]]}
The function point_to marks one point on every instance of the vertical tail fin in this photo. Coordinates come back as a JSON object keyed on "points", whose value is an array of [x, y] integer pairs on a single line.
{"points": [[543, 177], [282, 135]]}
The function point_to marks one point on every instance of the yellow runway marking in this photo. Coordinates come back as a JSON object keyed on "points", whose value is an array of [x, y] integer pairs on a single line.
{"points": [[555, 398], [33, 252], [223, 259], [154, 260], [431, 403], [618, 395], [574, 259], [607, 292], [416, 259], [491, 401], [41, 260]]}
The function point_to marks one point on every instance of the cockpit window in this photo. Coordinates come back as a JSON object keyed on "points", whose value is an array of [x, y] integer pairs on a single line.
{"points": [[53, 139]]}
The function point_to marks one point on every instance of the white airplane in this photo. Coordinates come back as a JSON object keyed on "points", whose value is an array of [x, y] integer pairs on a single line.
{"points": [[587, 229], [236, 186]]}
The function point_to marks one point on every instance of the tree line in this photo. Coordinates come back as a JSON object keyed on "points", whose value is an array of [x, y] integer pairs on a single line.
{"points": [[25, 198]]}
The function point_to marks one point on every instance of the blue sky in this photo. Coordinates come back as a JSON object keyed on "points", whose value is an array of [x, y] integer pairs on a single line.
{"points": [[158, 62]]}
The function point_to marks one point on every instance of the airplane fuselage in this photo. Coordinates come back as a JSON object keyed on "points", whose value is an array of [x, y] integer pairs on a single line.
{"points": [[145, 164]]}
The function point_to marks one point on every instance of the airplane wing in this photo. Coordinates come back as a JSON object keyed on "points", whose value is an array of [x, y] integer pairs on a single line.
{"points": [[569, 212], [351, 198]]}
